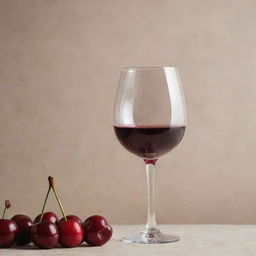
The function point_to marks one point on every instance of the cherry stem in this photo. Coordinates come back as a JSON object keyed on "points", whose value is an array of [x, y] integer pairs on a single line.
{"points": [[7, 205], [52, 185], [45, 200], [4, 212]]}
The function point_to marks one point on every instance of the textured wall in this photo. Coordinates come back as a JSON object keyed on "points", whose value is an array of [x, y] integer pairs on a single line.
{"points": [[59, 66]]}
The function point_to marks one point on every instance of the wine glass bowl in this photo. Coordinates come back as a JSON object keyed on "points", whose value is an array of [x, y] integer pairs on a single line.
{"points": [[149, 121]]}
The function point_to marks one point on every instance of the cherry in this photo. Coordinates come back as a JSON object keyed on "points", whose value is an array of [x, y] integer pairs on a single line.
{"points": [[45, 234], [80, 236], [8, 229], [71, 233], [24, 224], [8, 232], [97, 231], [51, 216]]}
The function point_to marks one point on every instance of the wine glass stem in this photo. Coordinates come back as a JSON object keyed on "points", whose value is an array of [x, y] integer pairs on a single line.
{"points": [[151, 221]]}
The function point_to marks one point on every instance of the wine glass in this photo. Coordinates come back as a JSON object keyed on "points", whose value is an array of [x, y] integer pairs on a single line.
{"points": [[149, 121]]}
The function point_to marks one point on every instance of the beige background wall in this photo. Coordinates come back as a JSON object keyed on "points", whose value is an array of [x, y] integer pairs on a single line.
{"points": [[59, 67]]}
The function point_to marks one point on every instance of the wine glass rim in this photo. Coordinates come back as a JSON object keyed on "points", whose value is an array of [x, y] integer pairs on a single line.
{"points": [[149, 68]]}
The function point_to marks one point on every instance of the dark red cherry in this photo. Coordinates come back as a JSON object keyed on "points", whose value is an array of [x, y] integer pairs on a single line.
{"points": [[51, 216], [97, 231], [24, 224], [45, 234], [8, 232], [71, 232]]}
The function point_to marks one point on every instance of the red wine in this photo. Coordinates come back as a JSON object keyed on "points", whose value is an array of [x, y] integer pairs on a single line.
{"points": [[149, 142]]}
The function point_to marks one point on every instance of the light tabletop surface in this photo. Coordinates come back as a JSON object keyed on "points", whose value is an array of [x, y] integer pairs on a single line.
{"points": [[196, 240]]}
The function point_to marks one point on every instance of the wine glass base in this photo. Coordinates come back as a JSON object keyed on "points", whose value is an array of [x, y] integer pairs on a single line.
{"points": [[151, 237]]}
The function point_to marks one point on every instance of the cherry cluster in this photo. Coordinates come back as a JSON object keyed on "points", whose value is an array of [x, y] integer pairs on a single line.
{"points": [[47, 230]]}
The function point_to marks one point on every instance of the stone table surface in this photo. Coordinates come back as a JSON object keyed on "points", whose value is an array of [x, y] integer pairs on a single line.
{"points": [[196, 240]]}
